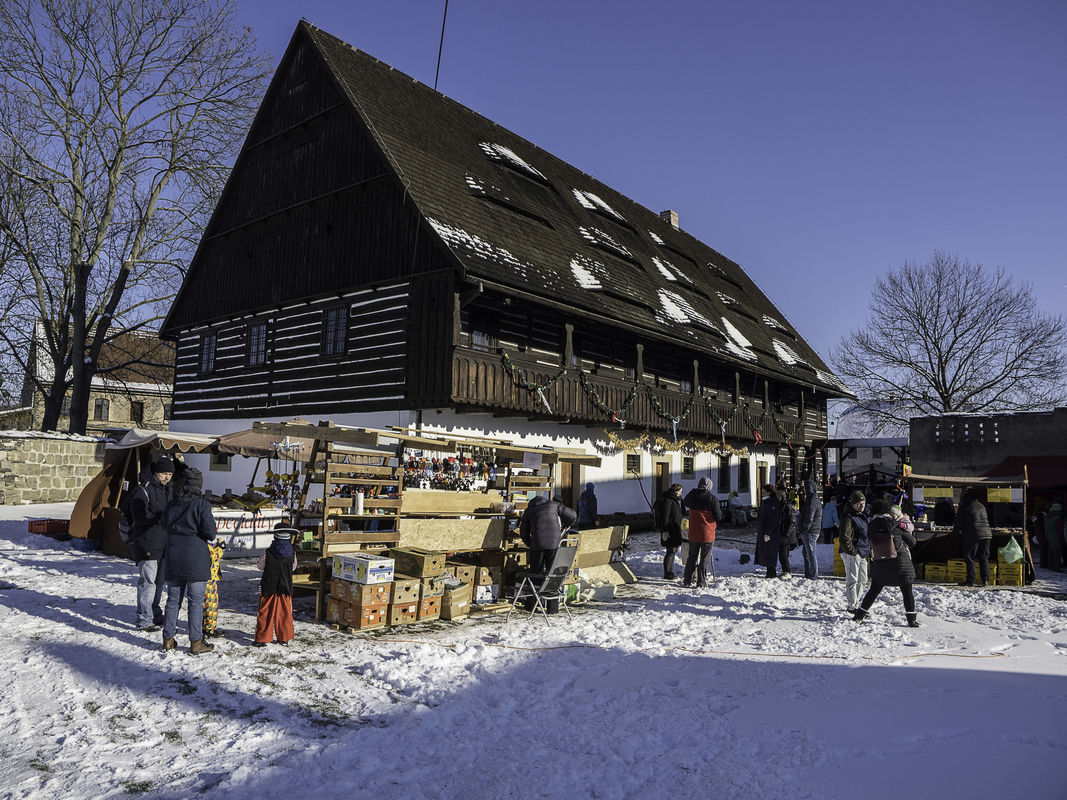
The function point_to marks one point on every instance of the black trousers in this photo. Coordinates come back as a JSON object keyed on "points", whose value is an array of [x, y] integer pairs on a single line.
{"points": [[872, 594], [980, 551], [783, 559], [541, 560], [697, 562]]}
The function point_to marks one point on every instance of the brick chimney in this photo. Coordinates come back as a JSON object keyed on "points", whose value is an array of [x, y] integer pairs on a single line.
{"points": [[671, 217]]}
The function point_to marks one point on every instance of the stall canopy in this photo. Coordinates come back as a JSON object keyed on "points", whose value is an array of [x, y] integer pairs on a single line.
{"points": [[165, 440], [1043, 472]]}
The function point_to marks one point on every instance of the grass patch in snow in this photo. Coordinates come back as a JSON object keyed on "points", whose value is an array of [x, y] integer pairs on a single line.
{"points": [[137, 787], [40, 764], [174, 737]]}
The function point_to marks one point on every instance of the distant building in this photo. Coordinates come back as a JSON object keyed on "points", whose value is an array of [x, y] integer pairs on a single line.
{"points": [[131, 388]]}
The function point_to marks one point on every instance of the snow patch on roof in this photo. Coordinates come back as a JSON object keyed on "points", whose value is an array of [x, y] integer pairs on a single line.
{"points": [[829, 379], [669, 271], [602, 239], [736, 341], [786, 354], [593, 203], [505, 155], [726, 299], [771, 322], [657, 238], [666, 273], [589, 274], [457, 237], [669, 303]]}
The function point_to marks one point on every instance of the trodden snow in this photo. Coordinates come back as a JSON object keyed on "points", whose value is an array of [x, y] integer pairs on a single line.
{"points": [[749, 688]]}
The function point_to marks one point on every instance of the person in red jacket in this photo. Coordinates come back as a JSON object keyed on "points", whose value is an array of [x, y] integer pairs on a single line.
{"points": [[704, 515]]}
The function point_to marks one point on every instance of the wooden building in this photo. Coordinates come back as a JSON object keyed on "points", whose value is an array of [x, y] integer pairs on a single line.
{"points": [[384, 255]]}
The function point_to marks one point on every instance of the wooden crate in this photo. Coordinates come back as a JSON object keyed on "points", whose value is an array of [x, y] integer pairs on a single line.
{"points": [[49, 526], [936, 572]]}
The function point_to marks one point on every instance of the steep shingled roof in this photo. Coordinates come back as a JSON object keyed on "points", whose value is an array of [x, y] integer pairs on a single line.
{"points": [[517, 216]]}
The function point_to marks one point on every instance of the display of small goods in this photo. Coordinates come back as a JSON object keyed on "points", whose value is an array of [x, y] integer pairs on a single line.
{"points": [[453, 473]]}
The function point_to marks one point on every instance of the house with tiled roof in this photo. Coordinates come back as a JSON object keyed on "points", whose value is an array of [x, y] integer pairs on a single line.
{"points": [[383, 254]]}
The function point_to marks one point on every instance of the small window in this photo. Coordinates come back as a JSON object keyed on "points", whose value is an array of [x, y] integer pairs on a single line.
{"points": [[220, 462], [633, 463], [208, 341], [101, 409], [725, 484], [876, 453], [136, 412], [65, 410], [743, 479], [334, 330], [257, 344], [688, 470], [685, 387]]}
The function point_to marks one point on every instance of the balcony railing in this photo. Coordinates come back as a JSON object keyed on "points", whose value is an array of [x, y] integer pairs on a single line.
{"points": [[513, 384]]}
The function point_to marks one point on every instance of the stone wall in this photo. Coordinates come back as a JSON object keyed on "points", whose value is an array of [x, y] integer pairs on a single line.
{"points": [[46, 468]]}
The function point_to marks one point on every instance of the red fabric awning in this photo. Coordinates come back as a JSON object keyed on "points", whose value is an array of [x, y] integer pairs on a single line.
{"points": [[1044, 472]]}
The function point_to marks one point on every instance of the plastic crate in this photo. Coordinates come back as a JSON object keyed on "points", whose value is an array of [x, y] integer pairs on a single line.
{"points": [[49, 526]]}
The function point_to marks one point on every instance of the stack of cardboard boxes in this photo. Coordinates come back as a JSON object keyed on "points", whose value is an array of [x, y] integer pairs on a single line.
{"points": [[360, 591]]}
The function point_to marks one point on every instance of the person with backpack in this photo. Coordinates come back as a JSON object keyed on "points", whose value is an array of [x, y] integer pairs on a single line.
{"points": [[587, 510], [889, 532], [274, 619], [854, 548], [810, 527], [187, 564], [144, 509], [667, 514], [705, 513], [541, 529]]}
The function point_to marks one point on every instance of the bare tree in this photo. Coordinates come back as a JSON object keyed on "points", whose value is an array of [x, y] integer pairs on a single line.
{"points": [[949, 335], [118, 120]]}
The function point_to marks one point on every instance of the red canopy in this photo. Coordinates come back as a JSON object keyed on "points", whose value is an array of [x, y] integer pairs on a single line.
{"points": [[1044, 472]]}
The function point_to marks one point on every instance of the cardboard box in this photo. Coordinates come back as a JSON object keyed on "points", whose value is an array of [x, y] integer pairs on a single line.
{"points": [[418, 562], [456, 602], [365, 617], [341, 590], [403, 613], [429, 608], [370, 594], [363, 568], [404, 589], [485, 594], [431, 587], [462, 572], [335, 610]]}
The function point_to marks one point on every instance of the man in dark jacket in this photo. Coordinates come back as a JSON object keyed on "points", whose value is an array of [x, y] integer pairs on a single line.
{"points": [[671, 528], [587, 510], [855, 549], [187, 563], [810, 527], [973, 523], [149, 538], [541, 529]]}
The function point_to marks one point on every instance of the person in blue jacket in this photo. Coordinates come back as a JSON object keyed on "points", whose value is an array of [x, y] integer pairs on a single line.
{"points": [[831, 523]]}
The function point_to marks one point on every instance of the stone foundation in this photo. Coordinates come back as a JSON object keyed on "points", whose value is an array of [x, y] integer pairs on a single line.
{"points": [[46, 467]]}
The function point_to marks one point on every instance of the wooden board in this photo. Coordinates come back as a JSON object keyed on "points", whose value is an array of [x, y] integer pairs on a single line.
{"points": [[451, 535], [615, 574], [597, 559], [327, 434], [598, 539], [435, 501]]}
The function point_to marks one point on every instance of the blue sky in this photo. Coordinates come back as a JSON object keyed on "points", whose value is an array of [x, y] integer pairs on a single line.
{"points": [[817, 144]]}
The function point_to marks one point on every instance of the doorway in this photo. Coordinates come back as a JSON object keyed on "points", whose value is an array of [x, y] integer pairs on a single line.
{"points": [[663, 478]]}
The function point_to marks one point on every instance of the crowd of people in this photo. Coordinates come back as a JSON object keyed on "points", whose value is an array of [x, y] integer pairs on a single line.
{"points": [[175, 545]]}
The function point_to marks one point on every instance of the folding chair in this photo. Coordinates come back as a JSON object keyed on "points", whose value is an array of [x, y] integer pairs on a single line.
{"points": [[540, 587]]}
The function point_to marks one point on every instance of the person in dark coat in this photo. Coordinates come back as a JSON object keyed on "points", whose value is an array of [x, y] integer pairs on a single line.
{"points": [[944, 512], [810, 527], [769, 530], [705, 513], [854, 548], [187, 563], [973, 523], [541, 529], [275, 616], [671, 532], [890, 566], [587, 510], [149, 538], [790, 514]]}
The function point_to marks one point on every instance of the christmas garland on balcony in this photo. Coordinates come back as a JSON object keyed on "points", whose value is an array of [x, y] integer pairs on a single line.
{"points": [[520, 377], [648, 441]]}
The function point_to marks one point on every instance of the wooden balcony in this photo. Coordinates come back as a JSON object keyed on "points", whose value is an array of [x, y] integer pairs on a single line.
{"points": [[483, 381]]}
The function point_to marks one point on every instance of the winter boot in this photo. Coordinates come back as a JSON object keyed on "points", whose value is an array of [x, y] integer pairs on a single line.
{"points": [[200, 646], [169, 644], [860, 615], [912, 621]]}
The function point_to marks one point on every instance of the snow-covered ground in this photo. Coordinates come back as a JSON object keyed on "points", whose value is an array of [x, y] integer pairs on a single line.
{"points": [[747, 689]]}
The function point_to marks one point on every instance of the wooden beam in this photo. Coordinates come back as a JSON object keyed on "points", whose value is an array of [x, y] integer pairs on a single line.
{"points": [[341, 435]]}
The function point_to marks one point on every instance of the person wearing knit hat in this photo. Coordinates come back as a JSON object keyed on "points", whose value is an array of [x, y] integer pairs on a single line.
{"points": [[163, 464], [587, 508], [148, 538], [274, 618], [855, 549]]}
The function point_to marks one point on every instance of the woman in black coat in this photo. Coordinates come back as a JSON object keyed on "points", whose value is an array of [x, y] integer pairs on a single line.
{"points": [[886, 569], [769, 532]]}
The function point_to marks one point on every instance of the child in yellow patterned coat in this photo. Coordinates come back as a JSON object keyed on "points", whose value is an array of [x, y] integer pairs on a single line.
{"points": [[211, 596]]}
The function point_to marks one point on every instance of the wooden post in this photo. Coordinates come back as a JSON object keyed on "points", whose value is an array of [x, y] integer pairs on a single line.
{"points": [[640, 370], [696, 376], [568, 346]]}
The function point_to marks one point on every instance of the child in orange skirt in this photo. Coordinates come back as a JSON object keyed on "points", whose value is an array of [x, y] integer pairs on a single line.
{"points": [[275, 618]]}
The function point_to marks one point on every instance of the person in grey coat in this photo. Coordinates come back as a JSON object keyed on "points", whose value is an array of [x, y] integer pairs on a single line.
{"points": [[973, 523], [541, 529], [810, 527]]}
